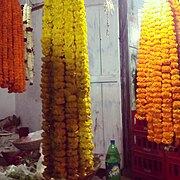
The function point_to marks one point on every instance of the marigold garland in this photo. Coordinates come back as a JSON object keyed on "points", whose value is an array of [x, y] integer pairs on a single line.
{"points": [[83, 85], [11, 47], [65, 91], [4, 42], [1, 48], [28, 42], [47, 90], [158, 74], [175, 70]]}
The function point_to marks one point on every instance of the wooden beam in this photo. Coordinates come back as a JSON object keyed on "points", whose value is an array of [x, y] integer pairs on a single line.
{"points": [[37, 6]]}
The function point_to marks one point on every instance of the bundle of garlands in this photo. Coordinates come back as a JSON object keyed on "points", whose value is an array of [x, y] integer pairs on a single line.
{"points": [[65, 91], [158, 79], [28, 42], [12, 74]]}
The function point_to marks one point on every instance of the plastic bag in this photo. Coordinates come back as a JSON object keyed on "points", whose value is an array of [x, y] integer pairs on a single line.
{"points": [[40, 167]]}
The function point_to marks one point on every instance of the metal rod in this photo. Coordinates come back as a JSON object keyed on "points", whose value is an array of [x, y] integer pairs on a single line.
{"points": [[41, 4]]}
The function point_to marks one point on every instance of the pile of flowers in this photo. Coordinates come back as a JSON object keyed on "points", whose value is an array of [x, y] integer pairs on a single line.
{"points": [[28, 43], [12, 74], [158, 80], [65, 91]]}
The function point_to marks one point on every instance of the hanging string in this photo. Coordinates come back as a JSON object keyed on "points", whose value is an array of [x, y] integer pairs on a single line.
{"points": [[28, 2], [108, 9]]}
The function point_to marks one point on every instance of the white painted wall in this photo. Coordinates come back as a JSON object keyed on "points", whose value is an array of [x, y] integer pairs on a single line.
{"points": [[7, 103]]}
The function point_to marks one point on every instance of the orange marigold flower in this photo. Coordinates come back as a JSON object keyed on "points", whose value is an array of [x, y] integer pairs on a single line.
{"points": [[166, 76], [166, 69], [174, 71]]}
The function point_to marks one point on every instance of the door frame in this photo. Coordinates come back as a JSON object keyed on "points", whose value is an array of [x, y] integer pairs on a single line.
{"points": [[125, 83]]}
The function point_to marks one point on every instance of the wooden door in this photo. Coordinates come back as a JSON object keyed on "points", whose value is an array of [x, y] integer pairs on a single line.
{"points": [[104, 64]]}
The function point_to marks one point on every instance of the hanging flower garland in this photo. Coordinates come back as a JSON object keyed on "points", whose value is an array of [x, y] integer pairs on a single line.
{"points": [[58, 104], [83, 89], [4, 43], [28, 41], [108, 9], [47, 90], [1, 47], [175, 6], [158, 75], [71, 90], [12, 74], [10, 45], [65, 91]]}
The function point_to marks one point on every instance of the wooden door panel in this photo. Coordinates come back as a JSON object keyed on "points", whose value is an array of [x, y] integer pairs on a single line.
{"points": [[97, 117], [94, 39]]}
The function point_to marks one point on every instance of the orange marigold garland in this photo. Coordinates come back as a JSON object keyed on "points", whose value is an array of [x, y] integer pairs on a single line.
{"points": [[175, 71], [159, 87], [18, 46], [155, 80], [4, 42], [11, 44], [1, 48], [168, 133]]}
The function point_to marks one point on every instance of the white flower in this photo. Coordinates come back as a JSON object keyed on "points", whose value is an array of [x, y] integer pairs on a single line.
{"points": [[29, 56], [108, 6]]}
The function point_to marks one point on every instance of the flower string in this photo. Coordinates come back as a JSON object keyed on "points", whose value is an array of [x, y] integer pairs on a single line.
{"points": [[4, 42], [11, 47], [108, 9], [158, 75], [28, 41], [86, 145], [60, 133], [18, 35], [1, 47], [175, 71], [47, 90], [71, 90], [65, 91]]}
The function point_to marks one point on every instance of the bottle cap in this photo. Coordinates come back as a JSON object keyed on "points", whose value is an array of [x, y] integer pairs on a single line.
{"points": [[112, 141]]}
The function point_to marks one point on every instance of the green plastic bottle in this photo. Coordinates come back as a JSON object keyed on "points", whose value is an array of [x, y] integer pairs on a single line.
{"points": [[113, 162]]}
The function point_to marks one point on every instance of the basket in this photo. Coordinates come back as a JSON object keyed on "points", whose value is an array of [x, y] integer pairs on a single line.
{"points": [[173, 165], [27, 145], [138, 124], [148, 164], [9, 156], [136, 175], [140, 143]]}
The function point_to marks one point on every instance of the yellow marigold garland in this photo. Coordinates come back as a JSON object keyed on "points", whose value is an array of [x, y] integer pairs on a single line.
{"points": [[71, 92], [46, 90], [158, 74], [67, 137], [58, 102], [83, 86]]}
